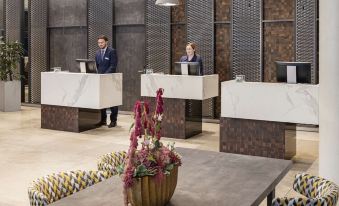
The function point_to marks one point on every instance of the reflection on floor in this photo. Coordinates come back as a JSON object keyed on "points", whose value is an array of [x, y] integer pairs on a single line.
{"points": [[28, 152]]}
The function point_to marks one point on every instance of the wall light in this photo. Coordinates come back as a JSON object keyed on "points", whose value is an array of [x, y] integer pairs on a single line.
{"points": [[167, 2]]}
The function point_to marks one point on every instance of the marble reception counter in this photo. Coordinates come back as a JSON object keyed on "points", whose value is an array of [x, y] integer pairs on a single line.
{"points": [[183, 95], [72, 101], [253, 116]]}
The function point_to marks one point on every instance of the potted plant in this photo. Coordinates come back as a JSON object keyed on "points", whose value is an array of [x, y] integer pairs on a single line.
{"points": [[150, 170], [10, 85]]}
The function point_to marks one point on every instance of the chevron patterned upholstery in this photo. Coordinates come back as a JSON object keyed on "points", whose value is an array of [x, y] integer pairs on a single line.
{"points": [[317, 191], [110, 161], [51, 188]]}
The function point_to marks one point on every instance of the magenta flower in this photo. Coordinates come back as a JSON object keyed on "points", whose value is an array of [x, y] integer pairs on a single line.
{"points": [[153, 158]]}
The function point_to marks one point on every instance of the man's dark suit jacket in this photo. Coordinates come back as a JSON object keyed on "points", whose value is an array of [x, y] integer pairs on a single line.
{"points": [[108, 64], [196, 58]]}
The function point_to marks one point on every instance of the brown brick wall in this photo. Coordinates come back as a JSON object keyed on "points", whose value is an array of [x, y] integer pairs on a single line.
{"points": [[278, 46], [279, 9]]}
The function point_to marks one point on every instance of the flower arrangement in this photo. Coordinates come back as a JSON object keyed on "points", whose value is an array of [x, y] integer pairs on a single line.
{"points": [[152, 158]]}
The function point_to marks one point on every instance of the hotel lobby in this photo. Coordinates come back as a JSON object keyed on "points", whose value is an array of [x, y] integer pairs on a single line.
{"points": [[169, 102]]}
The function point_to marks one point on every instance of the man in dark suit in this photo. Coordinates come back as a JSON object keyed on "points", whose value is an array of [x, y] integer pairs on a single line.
{"points": [[106, 60]]}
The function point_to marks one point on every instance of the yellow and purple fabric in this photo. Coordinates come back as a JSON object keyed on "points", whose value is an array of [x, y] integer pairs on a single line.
{"points": [[109, 162], [51, 188], [317, 191]]}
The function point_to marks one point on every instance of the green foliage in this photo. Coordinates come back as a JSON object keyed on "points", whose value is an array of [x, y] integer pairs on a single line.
{"points": [[10, 55]]}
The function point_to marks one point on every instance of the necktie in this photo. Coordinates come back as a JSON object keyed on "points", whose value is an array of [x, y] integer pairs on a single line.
{"points": [[102, 54]]}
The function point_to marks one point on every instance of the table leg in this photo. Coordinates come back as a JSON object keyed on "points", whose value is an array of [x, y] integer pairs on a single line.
{"points": [[270, 197]]}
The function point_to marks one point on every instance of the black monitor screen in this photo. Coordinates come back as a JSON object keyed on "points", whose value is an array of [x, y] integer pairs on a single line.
{"points": [[90, 65], [193, 68], [303, 71]]}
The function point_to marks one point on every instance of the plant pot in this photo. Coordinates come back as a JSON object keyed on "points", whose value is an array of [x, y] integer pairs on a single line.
{"points": [[10, 96], [147, 191]]}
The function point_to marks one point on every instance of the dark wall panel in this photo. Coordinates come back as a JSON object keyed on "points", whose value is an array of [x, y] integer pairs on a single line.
{"points": [[100, 21], [278, 46], [222, 58], [14, 11], [222, 10], [178, 42], [246, 42], [158, 37], [279, 9], [63, 13], [129, 12], [38, 41], [178, 13], [130, 46], [2, 17], [306, 34], [66, 45]]}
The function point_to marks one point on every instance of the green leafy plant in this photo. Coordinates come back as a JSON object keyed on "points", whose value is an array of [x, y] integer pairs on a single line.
{"points": [[10, 55]]}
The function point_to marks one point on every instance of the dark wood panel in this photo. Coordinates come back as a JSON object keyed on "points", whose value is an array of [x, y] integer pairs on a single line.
{"points": [[179, 41], [178, 13], [279, 9], [222, 10], [279, 45], [222, 58]]}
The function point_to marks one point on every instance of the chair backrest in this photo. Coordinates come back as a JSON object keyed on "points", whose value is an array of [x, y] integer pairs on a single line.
{"points": [[109, 162], [317, 190], [53, 187]]}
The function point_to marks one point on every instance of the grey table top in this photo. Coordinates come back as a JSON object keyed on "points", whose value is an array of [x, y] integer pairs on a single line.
{"points": [[205, 178]]}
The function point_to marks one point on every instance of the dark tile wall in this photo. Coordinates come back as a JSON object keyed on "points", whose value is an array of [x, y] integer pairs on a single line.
{"points": [[278, 46], [179, 121], [279, 9], [222, 58], [73, 119], [253, 137], [51, 116], [222, 10]]}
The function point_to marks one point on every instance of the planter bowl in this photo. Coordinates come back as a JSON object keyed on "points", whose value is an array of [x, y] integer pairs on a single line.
{"points": [[10, 96], [147, 191]]}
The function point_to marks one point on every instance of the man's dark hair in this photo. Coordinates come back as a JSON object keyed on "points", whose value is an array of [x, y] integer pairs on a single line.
{"points": [[103, 37]]}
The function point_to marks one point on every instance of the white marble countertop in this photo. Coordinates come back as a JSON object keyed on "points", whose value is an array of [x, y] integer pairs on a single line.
{"points": [[81, 90], [280, 102], [180, 86]]}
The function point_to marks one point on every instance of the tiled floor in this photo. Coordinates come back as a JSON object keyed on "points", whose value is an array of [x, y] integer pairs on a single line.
{"points": [[28, 152]]}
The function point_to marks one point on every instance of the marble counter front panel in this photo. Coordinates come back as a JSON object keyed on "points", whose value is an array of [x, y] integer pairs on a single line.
{"points": [[279, 102], [180, 86], [81, 90]]}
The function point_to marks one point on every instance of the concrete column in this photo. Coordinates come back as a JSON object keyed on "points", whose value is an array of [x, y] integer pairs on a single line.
{"points": [[329, 90]]}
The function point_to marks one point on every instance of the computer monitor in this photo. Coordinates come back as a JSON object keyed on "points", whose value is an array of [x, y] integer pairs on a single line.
{"points": [[87, 66], [187, 68], [294, 72]]}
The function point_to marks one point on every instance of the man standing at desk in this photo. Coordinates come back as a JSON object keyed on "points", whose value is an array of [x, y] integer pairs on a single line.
{"points": [[106, 61]]}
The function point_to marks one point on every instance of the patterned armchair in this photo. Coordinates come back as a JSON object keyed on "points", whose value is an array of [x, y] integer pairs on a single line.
{"points": [[51, 188], [110, 161], [317, 192]]}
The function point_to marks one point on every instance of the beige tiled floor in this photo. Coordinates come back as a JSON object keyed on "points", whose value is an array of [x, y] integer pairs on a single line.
{"points": [[28, 152]]}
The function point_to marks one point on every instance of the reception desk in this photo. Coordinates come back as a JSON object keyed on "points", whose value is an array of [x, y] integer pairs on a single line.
{"points": [[183, 97], [72, 101], [253, 116]]}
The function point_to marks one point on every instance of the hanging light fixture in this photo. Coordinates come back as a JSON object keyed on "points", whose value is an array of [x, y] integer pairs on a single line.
{"points": [[167, 2]]}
